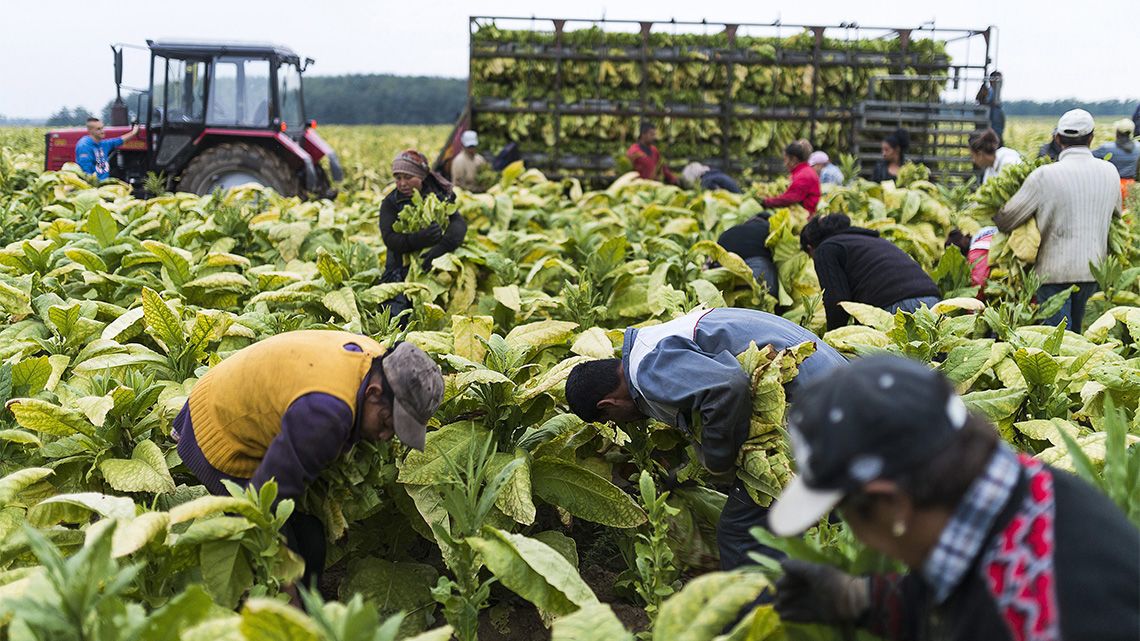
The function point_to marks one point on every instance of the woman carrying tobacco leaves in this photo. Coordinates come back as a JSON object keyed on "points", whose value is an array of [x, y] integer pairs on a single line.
{"points": [[418, 185]]}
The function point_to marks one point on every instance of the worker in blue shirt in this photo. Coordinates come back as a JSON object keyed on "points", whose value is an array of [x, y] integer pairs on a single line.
{"points": [[92, 151]]}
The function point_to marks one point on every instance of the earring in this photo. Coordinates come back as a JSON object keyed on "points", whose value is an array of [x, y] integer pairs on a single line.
{"points": [[898, 529]]}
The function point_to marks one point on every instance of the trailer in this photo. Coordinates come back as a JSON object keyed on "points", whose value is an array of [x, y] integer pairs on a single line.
{"points": [[571, 93]]}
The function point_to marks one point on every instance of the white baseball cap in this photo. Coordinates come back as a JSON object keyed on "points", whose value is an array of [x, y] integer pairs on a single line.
{"points": [[1075, 123], [818, 158], [469, 139]]}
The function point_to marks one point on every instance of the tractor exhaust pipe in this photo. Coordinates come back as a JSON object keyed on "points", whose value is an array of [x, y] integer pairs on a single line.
{"points": [[119, 113]]}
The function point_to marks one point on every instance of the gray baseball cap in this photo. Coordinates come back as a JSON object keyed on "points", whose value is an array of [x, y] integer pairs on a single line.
{"points": [[417, 387]]}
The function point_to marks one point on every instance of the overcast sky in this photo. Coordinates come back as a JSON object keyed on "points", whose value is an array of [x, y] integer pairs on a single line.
{"points": [[56, 52]]}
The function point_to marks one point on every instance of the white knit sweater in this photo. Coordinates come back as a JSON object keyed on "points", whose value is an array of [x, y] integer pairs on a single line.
{"points": [[1074, 200]]}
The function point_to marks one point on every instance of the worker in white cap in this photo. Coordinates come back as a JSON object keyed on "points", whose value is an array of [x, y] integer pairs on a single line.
{"points": [[1123, 153], [1074, 200], [828, 173], [465, 165]]}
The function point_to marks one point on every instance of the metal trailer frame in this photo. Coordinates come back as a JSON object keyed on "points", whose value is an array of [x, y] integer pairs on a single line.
{"points": [[864, 119]]}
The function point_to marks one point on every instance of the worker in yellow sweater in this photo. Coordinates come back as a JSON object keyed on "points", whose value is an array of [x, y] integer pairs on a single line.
{"points": [[287, 407]]}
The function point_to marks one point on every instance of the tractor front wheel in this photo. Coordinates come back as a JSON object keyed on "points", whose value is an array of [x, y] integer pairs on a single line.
{"points": [[238, 163]]}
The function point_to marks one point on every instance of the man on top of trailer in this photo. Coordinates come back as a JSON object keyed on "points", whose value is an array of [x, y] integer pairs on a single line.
{"points": [[93, 150], [646, 158]]}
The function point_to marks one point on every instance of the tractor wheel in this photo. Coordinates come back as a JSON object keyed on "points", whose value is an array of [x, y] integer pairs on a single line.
{"points": [[237, 163]]}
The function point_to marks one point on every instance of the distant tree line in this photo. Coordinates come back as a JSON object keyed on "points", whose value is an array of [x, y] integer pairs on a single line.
{"points": [[384, 99], [66, 117], [1058, 107]]}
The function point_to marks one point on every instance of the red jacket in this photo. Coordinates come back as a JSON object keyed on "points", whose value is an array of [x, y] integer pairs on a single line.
{"points": [[804, 190], [649, 165]]}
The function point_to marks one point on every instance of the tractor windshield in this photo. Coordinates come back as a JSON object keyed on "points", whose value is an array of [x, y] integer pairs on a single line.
{"points": [[289, 93], [179, 88], [239, 93]]}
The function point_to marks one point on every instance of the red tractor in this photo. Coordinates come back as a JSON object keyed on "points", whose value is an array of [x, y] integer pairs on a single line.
{"points": [[215, 115]]}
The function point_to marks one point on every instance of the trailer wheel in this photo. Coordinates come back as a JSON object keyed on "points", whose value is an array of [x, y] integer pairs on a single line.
{"points": [[237, 163]]}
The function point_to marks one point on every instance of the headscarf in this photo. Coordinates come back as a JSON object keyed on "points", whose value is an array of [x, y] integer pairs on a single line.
{"points": [[412, 163]]}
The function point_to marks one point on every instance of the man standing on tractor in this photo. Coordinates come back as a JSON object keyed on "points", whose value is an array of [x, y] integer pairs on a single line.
{"points": [[685, 373], [646, 158], [93, 150], [287, 407]]}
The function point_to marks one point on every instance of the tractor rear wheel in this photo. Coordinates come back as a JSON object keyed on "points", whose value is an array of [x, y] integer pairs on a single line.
{"points": [[237, 163]]}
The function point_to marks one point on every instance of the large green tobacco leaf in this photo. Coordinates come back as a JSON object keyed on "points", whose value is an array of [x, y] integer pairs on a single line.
{"points": [[162, 321], [533, 570], [515, 499], [78, 508], [869, 315], [592, 622], [391, 587], [429, 466], [270, 620], [225, 571], [966, 362], [550, 380], [20, 480], [541, 334], [132, 535], [1038, 367], [584, 494], [145, 471], [47, 418], [706, 605], [999, 406], [182, 611], [101, 224]]}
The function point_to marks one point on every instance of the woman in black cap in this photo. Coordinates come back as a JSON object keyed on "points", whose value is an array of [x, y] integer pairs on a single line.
{"points": [[999, 545], [894, 155]]}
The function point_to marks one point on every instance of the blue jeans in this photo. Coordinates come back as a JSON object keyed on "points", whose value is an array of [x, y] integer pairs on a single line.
{"points": [[764, 271], [911, 304], [1074, 309]]}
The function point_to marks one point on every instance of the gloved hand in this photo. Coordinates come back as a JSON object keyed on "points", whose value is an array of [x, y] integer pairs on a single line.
{"points": [[432, 254], [427, 236], [813, 593]]}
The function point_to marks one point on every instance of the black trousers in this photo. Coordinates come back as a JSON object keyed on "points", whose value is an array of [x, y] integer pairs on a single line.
{"points": [[305, 535], [741, 514]]}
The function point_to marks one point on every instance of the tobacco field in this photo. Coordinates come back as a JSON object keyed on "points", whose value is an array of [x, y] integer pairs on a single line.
{"points": [[518, 520]]}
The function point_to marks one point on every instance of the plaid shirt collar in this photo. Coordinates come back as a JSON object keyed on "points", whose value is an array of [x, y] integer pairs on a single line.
{"points": [[962, 539]]}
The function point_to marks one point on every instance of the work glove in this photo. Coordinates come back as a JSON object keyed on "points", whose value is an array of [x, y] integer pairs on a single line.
{"points": [[427, 236], [813, 593], [432, 254]]}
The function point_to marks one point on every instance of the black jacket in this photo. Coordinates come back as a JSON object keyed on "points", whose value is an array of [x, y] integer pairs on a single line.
{"points": [[747, 239], [1084, 559], [856, 265], [399, 244], [881, 172]]}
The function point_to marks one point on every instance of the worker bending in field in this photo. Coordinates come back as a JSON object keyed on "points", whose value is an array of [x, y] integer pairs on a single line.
{"points": [[828, 173], [856, 264], [646, 158], [1074, 200], [999, 546], [749, 241], [684, 373], [696, 174], [989, 155], [413, 174], [804, 190], [93, 151], [287, 407]]}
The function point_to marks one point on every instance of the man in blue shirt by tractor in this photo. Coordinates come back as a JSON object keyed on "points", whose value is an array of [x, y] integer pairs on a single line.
{"points": [[93, 150]]}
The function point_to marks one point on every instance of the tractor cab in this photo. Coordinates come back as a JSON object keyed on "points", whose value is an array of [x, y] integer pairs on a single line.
{"points": [[217, 115]]}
